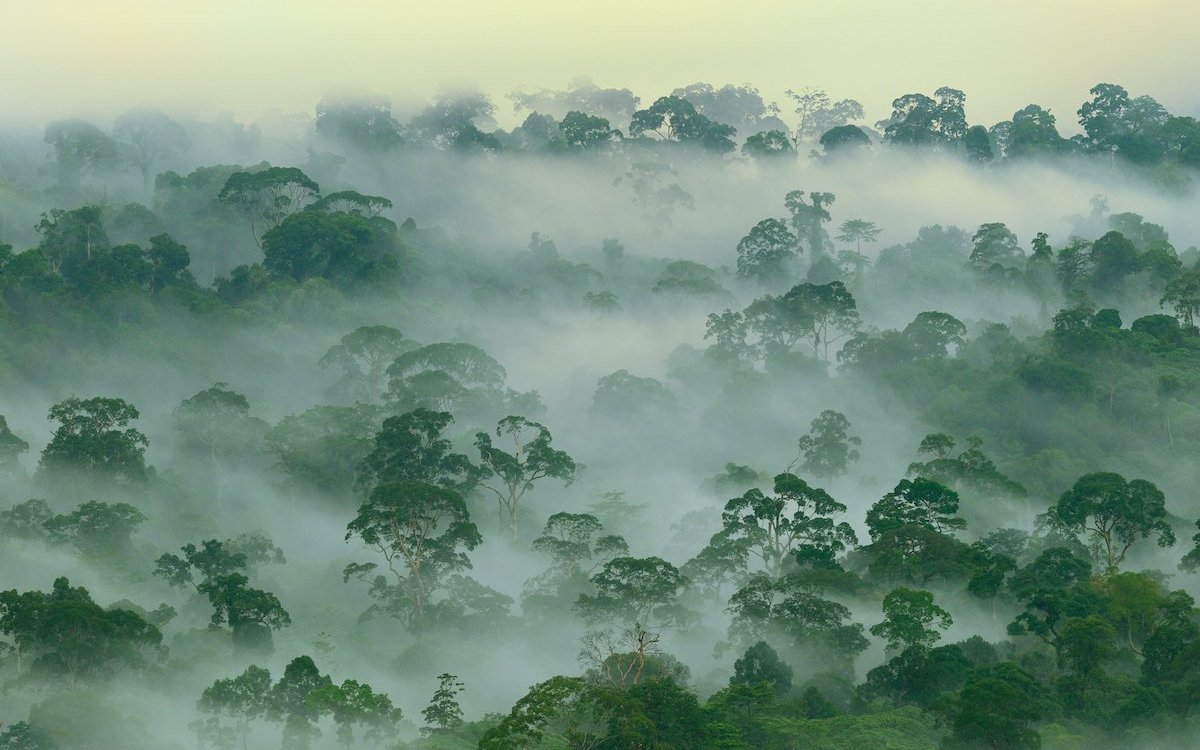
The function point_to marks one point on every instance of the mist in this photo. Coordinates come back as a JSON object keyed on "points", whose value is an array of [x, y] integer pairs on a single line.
{"points": [[671, 419]]}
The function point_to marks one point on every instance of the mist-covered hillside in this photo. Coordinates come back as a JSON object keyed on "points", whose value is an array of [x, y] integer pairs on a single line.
{"points": [[700, 421]]}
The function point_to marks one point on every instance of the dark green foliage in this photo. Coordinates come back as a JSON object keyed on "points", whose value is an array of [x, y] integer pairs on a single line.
{"points": [[761, 664], [765, 253], [93, 442], [509, 475], [26, 520], [96, 529], [268, 196], [828, 448], [423, 532], [843, 139], [633, 590], [344, 249], [918, 502], [11, 446], [250, 613], [1114, 514], [443, 712], [21, 736], [64, 634], [621, 395], [673, 119], [798, 520], [997, 708], [793, 609], [910, 618], [411, 447]]}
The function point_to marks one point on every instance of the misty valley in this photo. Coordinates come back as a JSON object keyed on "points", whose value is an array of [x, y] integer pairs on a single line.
{"points": [[703, 422]]}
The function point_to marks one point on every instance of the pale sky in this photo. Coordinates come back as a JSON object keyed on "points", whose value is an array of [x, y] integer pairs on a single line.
{"points": [[98, 57]]}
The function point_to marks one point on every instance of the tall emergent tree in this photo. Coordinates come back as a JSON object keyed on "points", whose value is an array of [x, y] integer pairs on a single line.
{"points": [[217, 421], [269, 196], [1113, 514], [94, 442], [511, 475], [858, 231], [829, 448], [798, 520], [423, 533]]}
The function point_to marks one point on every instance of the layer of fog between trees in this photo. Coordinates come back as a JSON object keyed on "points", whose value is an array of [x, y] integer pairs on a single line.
{"points": [[488, 206]]}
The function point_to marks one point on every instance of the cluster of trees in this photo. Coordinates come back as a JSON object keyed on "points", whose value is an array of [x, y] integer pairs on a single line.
{"points": [[1016, 580]]}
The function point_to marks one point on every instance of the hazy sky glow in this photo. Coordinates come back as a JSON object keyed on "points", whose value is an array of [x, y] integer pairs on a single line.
{"points": [[97, 58]]}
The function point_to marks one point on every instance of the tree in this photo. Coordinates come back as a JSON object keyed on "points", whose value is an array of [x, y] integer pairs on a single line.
{"points": [[1118, 124], [761, 664], [817, 113], [996, 708], [454, 120], [729, 330], [808, 219], [243, 698], [211, 559], [994, 244], [148, 136], [423, 533], [67, 635], [844, 139], [250, 613], [584, 132], [634, 590], [918, 120], [858, 231], [793, 608], [343, 248], [769, 145], [364, 355], [1115, 258], [978, 144], [295, 700], [412, 447], [797, 520], [70, 239], [218, 421], [765, 252], [356, 703], [26, 520], [79, 146], [828, 447], [443, 712], [322, 447], [11, 446], [917, 502], [1032, 133], [1114, 514], [676, 120], [917, 675], [822, 314], [932, 333], [269, 196], [510, 475], [566, 709], [445, 375], [1183, 294], [353, 203], [93, 442], [96, 529], [22, 736], [910, 618], [576, 547], [362, 122], [622, 395]]}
